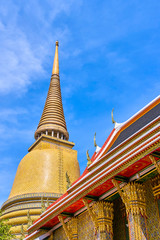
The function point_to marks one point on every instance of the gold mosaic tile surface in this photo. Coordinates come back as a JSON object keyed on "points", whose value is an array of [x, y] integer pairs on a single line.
{"points": [[59, 234], [85, 227], [152, 214], [45, 171]]}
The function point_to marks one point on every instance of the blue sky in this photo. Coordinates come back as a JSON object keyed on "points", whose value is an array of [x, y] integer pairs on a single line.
{"points": [[109, 57]]}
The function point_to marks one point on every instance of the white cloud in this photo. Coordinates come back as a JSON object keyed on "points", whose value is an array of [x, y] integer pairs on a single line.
{"points": [[22, 53], [8, 134], [17, 60], [11, 115]]}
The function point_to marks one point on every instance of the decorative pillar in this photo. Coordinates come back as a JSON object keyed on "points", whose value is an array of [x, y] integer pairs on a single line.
{"points": [[105, 220], [156, 183], [133, 196], [156, 191], [57, 134], [52, 133], [70, 228], [61, 135], [102, 217]]}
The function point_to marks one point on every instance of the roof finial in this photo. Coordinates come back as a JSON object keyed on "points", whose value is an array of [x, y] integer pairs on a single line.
{"points": [[95, 144], [113, 121], [55, 69], [88, 159]]}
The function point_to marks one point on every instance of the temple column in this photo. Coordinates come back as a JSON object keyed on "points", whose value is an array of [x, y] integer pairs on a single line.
{"points": [[133, 196], [156, 180], [156, 183], [156, 191], [102, 216], [105, 220]]}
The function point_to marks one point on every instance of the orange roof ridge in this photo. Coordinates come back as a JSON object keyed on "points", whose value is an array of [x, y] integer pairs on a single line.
{"points": [[121, 127], [141, 112]]}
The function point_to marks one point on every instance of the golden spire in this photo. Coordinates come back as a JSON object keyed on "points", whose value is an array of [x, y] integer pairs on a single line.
{"points": [[52, 121], [55, 69]]}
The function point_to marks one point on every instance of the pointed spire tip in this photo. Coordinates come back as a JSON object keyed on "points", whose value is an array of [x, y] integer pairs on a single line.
{"points": [[55, 69]]}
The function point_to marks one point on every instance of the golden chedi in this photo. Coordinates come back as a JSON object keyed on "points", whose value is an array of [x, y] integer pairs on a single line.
{"points": [[41, 174]]}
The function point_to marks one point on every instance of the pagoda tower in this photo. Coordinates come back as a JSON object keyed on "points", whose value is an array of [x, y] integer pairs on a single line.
{"points": [[41, 174]]}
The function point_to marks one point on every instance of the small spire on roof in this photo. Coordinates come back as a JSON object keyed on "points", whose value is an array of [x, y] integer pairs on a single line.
{"points": [[88, 159], [95, 144], [116, 125], [113, 121], [55, 69]]}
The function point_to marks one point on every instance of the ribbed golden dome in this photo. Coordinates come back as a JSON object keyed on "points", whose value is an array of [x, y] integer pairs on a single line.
{"points": [[52, 121], [44, 169]]}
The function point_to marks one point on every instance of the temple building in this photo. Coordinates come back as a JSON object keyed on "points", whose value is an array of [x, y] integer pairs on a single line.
{"points": [[41, 174], [118, 195], [116, 198]]}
